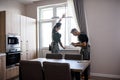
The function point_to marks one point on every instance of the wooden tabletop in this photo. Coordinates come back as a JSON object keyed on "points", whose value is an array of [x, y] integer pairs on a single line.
{"points": [[75, 65]]}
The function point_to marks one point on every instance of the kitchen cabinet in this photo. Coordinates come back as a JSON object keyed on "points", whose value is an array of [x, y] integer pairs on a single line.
{"points": [[12, 23], [9, 24], [12, 72], [2, 32], [2, 67], [21, 25], [28, 38]]}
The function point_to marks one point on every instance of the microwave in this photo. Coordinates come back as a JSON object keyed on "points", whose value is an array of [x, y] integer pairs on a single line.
{"points": [[13, 40], [12, 43]]}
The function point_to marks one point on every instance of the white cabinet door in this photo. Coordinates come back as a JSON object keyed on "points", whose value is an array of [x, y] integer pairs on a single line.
{"points": [[12, 23], [31, 38], [23, 37], [28, 38]]}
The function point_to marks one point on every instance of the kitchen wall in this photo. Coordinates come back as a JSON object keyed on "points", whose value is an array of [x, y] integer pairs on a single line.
{"points": [[12, 6], [103, 22], [31, 9]]}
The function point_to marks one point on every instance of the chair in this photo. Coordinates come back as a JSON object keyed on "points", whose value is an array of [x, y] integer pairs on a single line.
{"points": [[53, 56], [30, 70], [75, 75], [56, 71], [73, 56]]}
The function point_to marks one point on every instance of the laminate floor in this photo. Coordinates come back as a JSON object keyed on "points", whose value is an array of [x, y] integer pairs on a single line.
{"points": [[101, 78], [92, 78]]}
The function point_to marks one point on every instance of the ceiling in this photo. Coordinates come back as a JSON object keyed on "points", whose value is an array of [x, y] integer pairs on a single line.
{"points": [[27, 1]]}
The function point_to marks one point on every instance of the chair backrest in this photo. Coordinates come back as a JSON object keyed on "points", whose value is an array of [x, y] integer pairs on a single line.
{"points": [[72, 56], [53, 56], [31, 70], [56, 71]]}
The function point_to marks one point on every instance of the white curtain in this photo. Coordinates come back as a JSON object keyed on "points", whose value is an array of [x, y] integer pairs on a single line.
{"points": [[71, 12]]}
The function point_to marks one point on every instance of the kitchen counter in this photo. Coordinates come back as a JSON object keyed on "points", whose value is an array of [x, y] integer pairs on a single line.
{"points": [[2, 66], [2, 54]]}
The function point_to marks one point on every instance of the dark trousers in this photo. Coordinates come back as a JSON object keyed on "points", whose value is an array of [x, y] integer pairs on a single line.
{"points": [[75, 75], [85, 55]]}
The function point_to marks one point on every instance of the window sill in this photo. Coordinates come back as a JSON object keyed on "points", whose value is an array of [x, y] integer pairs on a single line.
{"points": [[69, 49]]}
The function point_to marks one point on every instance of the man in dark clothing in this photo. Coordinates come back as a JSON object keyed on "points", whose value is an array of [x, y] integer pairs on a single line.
{"points": [[85, 48], [83, 43]]}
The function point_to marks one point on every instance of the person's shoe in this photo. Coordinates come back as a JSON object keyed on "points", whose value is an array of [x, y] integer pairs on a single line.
{"points": [[89, 77], [82, 76]]}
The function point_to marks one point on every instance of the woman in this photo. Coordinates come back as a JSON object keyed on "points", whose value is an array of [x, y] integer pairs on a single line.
{"points": [[56, 37]]}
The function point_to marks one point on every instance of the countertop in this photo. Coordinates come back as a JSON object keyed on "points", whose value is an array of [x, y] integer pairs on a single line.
{"points": [[2, 54]]}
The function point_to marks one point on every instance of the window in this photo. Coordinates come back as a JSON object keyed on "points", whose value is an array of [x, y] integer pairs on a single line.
{"points": [[46, 13], [46, 29], [48, 16]]}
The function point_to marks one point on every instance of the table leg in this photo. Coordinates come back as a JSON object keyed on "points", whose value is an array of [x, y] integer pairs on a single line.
{"points": [[86, 73], [77, 75]]}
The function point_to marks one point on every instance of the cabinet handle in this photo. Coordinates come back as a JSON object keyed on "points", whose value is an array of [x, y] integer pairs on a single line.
{"points": [[21, 45], [27, 45]]}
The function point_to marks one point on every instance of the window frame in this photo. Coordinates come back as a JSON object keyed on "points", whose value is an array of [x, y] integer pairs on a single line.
{"points": [[54, 6]]}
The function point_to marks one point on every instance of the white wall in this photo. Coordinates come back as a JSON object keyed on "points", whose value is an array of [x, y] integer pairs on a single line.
{"points": [[103, 19], [12, 6], [31, 9]]}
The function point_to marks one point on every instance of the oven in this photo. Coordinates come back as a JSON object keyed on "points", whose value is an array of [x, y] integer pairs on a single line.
{"points": [[12, 58]]}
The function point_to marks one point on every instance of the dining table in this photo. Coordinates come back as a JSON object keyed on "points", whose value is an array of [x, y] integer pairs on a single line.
{"points": [[75, 65]]}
